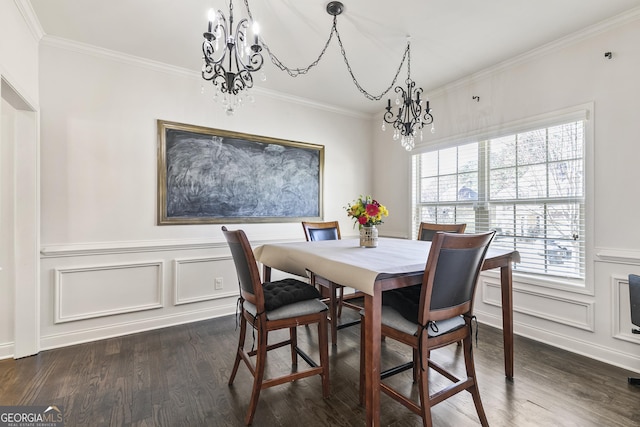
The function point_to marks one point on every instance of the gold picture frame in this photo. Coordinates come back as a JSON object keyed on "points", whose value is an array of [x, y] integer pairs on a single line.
{"points": [[214, 176]]}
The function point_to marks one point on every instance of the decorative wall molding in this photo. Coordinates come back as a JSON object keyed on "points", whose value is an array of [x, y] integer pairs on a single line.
{"points": [[584, 319], [106, 290], [111, 248], [180, 282], [30, 18], [87, 49], [621, 317], [115, 248], [99, 52], [576, 37], [618, 256]]}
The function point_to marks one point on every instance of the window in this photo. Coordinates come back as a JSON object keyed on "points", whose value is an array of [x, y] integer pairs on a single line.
{"points": [[528, 186]]}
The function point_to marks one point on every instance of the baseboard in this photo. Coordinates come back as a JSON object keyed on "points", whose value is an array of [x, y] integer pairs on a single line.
{"points": [[592, 350], [128, 328], [7, 351]]}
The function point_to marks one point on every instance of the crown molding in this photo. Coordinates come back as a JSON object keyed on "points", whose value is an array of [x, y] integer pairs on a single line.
{"points": [[87, 49], [571, 39], [91, 50], [311, 103], [30, 18]]}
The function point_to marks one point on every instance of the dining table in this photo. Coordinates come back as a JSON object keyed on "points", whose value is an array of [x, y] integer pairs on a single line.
{"points": [[394, 263]]}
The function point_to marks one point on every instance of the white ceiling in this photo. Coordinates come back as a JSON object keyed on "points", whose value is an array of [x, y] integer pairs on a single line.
{"points": [[450, 39]]}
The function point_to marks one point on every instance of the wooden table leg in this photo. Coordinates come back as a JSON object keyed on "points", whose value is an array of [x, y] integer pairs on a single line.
{"points": [[266, 273], [506, 283], [372, 312], [333, 313]]}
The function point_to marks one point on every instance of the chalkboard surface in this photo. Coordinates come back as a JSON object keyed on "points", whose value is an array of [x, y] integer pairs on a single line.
{"points": [[218, 176]]}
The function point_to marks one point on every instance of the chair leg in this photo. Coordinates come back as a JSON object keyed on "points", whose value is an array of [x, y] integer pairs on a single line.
{"points": [[261, 357], [633, 381], [323, 348], [293, 336], [471, 373], [423, 384], [340, 299], [240, 349], [362, 376]]}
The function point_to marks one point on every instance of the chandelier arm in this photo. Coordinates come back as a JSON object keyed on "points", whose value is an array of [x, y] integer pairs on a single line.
{"points": [[427, 119], [388, 115], [208, 48], [416, 110], [254, 60]]}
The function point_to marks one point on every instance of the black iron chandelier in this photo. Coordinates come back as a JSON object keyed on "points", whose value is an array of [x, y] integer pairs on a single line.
{"points": [[413, 112], [242, 51]]}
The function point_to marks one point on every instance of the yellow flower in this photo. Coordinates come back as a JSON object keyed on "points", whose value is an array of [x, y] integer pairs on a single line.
{"points": [[358, 211]]}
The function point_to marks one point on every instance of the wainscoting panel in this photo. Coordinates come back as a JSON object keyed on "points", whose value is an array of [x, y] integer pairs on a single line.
{"points": [[566, 311], [621, 310], [203, 279], [104, 290]]}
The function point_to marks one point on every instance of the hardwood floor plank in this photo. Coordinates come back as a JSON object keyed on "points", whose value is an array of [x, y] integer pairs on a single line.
{"points": [[178, 377]]}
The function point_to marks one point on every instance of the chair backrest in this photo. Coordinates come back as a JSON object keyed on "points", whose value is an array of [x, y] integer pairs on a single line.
{"points": [[428, 230], [246, 267], [634, 297], [451, 274], [313, 231]]}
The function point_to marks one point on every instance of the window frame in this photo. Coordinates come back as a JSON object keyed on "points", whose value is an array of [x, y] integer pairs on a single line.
{"points": [[582, 112]]}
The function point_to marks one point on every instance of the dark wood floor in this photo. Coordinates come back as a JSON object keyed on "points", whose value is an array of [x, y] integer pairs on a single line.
{"points": [[178, 377]]}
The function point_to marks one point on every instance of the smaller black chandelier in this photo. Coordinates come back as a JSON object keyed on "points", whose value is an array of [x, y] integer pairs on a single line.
{"points": [[240, 49], [412, 114]]}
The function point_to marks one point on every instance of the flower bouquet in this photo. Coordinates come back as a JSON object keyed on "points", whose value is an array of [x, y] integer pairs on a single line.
{"points": [[368, 213]]}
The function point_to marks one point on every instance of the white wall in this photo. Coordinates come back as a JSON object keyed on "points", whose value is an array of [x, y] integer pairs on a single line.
{"points": [[567, 73], [107, 268], [19, 187]]}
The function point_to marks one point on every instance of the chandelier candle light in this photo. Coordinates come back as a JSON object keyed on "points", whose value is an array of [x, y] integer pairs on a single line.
{"points": [[368, 213], [241, 51], [412, 115]]}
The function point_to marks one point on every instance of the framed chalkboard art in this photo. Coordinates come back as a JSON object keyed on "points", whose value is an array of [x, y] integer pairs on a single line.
{"points": [[210, 176]]}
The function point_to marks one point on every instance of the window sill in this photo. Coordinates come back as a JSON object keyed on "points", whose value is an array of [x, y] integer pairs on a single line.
{"points": [[576, 286]]}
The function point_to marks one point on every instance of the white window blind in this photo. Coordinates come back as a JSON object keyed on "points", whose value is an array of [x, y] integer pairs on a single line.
{"points": [[527, 186]]}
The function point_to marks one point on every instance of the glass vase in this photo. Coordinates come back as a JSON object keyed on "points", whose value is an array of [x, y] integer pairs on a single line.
{"points": [[368, 236]]}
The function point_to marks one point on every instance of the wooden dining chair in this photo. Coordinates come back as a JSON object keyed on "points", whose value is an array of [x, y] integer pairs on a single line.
{"points": [[330, 230], [327, 230], [442, 315], [272, 306], [427, 229]]}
